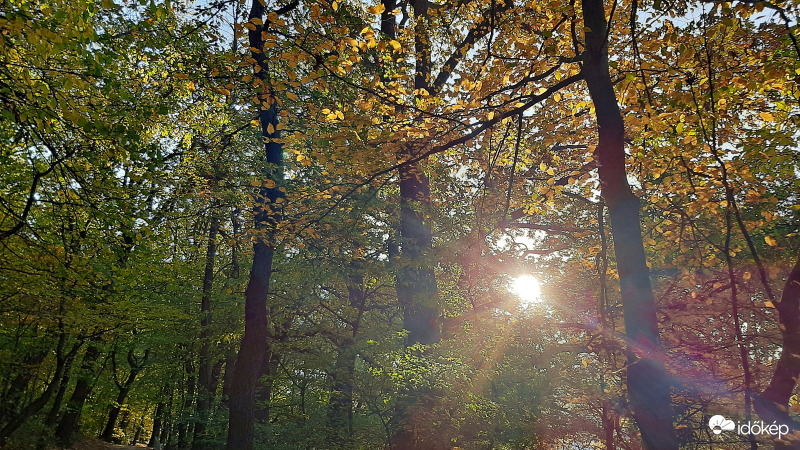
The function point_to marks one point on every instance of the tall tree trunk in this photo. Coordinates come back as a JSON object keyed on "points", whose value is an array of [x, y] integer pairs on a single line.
{"points": [[227, 378], [155, 436], [269, 368], [206, 386], [58, 401], [186, 409], [340, 409], [416, 288], [68, 424], [648, 384], [773, 403], [267, 214], [416, 282]]}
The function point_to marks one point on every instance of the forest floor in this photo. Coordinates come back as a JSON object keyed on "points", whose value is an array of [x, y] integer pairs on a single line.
{"points": [[95, 444]]}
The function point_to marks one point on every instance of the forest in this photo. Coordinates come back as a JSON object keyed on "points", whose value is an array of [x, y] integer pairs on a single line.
{"points": [[399, 224]]}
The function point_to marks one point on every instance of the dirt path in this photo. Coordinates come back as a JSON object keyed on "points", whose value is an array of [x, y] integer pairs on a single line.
{"points": [[100, 445]]}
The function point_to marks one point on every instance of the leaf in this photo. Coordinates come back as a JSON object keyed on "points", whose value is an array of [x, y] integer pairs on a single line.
{"points": [[377, 9], [770, 241], [767, 117]]}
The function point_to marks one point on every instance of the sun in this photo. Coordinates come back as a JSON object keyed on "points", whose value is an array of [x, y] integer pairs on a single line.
{"points": [[527, 289]]}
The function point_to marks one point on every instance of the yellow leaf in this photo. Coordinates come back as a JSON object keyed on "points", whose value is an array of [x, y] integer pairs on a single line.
{"points": [[292, 96], [378, 9], [270, 129], [250, 26], [767, 116], [257, 21], [335, 6], [542, 167], [770, 241], [747, 275], [769, 304]]}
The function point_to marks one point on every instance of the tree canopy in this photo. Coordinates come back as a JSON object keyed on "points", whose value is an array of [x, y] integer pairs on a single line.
{"points": [[404, 224]]}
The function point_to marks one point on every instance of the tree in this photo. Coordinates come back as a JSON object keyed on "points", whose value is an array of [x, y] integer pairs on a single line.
{"points": [[648, 385]]}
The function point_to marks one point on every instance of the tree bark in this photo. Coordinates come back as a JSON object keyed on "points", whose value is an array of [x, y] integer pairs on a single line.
{"points": [[648, 384]]}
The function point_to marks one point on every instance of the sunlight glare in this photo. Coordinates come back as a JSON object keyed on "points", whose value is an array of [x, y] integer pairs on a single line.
{"points": [[527, 289]]}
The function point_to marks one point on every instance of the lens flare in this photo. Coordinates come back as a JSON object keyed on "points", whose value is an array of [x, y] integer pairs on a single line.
{"points": [[528, 290]]}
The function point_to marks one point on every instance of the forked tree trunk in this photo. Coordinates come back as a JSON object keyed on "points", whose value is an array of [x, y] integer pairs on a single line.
{"points": [[648, 384], [122, 394]]}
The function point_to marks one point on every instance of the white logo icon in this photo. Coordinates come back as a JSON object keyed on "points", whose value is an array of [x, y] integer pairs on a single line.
{"points": [[718, 424]]}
